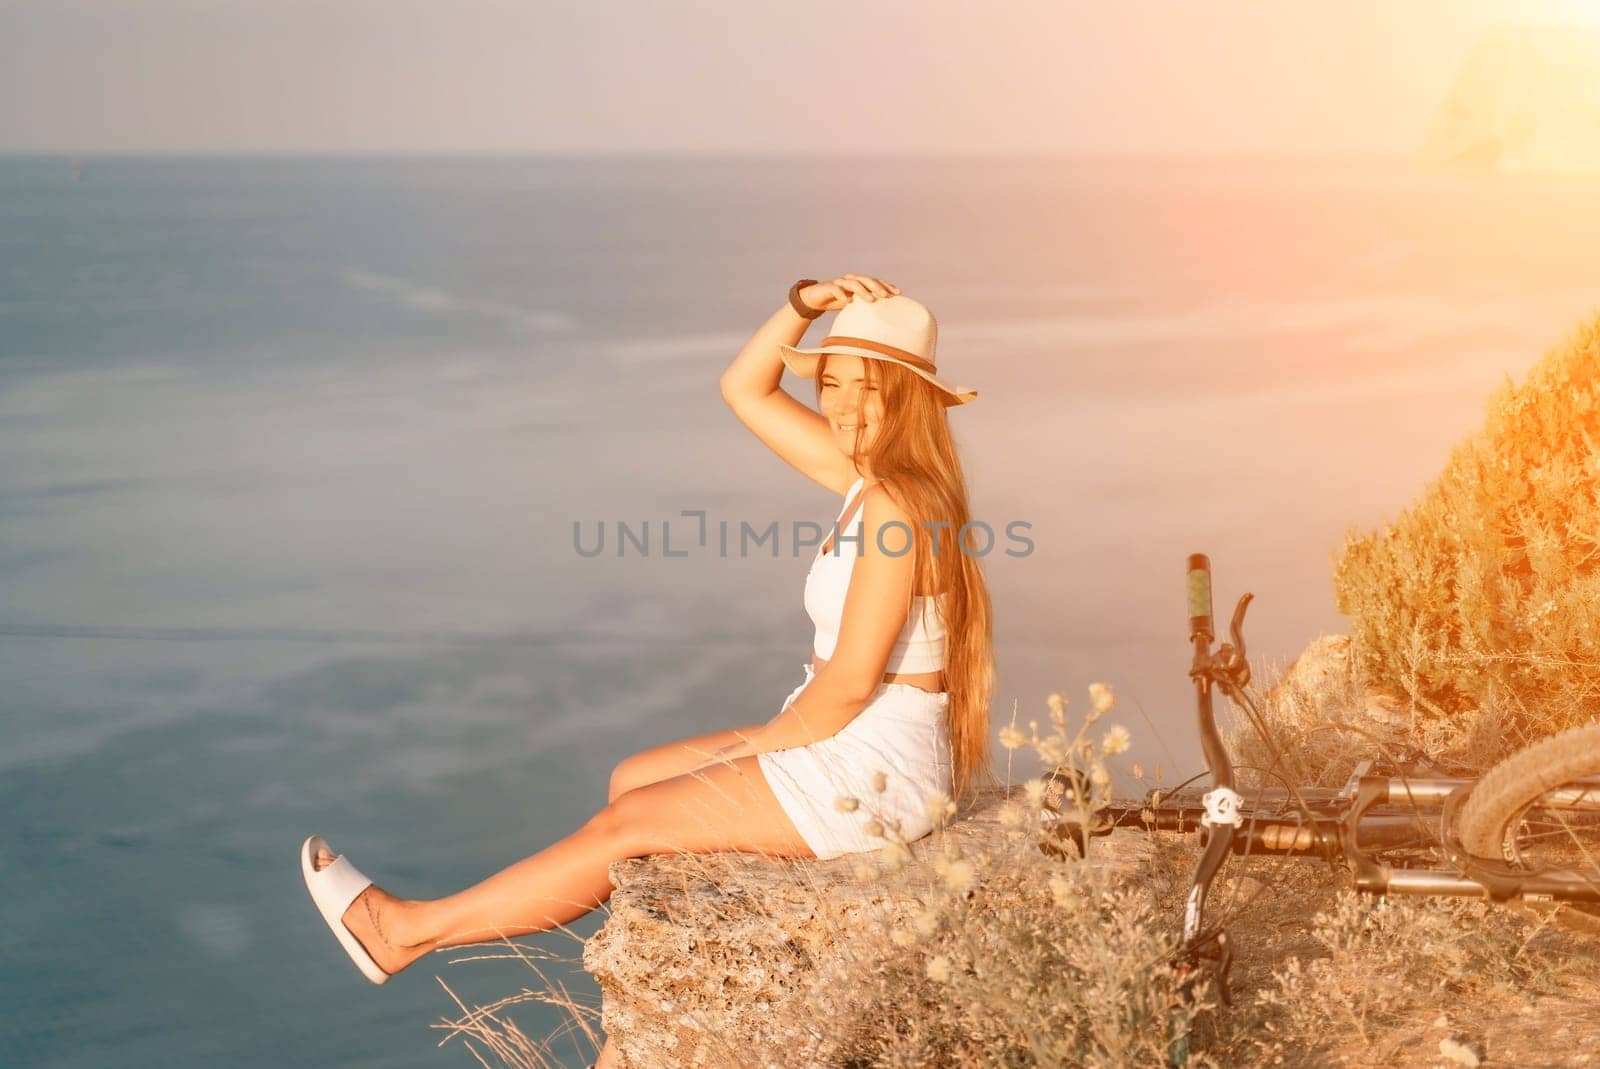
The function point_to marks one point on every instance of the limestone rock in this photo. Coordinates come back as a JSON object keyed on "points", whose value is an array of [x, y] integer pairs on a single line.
{"points": [[697, 946], [1324, 683]]}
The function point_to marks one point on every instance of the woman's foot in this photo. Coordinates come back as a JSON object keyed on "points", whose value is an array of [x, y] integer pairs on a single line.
{"points": [[374, 919]]}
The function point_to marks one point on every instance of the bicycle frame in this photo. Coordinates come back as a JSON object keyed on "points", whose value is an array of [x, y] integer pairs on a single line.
{"points": [[1343, 829]]}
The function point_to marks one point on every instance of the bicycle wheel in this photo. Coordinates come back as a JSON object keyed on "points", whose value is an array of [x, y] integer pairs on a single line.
{"points": [[1540, 809]]}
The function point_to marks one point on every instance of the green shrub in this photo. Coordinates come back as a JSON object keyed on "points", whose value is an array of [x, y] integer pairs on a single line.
{"points": [[1487, 590]]}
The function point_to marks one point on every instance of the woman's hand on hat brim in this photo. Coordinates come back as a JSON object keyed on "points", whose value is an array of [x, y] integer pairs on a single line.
{"points": [[835, 294]]}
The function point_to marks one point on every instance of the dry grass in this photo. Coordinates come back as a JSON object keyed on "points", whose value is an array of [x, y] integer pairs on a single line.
{"points": [[489, 1034]]}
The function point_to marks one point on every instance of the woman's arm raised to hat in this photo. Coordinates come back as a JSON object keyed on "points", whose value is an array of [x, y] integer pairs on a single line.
{"points": [[751, 387]]}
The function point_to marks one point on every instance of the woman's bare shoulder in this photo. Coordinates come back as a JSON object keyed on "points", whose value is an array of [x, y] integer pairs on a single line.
{"points": [[883, 504], [893, 488]]}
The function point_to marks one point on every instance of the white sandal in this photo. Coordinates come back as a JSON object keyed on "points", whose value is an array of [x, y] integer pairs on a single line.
{"points": [[333, 889]]}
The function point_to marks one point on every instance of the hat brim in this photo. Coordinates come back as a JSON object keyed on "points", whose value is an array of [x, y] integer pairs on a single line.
{"points": [[803, 362]]}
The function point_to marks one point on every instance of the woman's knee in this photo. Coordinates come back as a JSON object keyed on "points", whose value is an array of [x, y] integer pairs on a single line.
{"points": [[624, 777], [636, 770], [652, 818], [608, 822], [626, 821]]}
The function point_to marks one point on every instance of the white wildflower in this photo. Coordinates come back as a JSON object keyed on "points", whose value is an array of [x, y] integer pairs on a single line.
{"points": [[845, 804], [1034, 789], [926, 922], [958, 876], [1013, 815], [1051, 750], [874, 828], [1012, 739], [1115, 741], [1101, 699], [1062, 891]]}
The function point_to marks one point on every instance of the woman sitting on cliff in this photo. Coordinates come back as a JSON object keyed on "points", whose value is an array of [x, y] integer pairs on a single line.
{"points": [[894, 708]]}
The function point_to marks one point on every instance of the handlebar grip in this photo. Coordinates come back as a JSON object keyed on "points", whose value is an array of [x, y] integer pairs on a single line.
{"points": [[1200, 619]]}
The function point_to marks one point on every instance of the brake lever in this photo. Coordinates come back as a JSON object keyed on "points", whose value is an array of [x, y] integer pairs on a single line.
{"points": [[1230, 665], [1236, 627]]}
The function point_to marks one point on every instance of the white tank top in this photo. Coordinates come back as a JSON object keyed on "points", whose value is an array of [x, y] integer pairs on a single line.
{"points": [[920, 647]]}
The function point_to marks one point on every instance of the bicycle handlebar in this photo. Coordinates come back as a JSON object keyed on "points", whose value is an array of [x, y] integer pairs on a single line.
{"points": [[1201, 625]]}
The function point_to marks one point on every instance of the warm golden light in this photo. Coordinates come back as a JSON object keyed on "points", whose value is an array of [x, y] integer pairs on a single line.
{"points": [[1585, 12], [1525, 99]]}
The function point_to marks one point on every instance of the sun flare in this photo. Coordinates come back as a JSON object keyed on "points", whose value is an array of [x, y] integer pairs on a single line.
{"points": [[1580, 12]]}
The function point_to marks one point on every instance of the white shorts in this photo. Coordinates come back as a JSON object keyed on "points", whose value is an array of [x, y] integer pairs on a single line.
{"points": [[902, 732]]}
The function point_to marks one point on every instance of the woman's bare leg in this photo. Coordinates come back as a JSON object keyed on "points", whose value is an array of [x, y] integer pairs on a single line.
{"points": [[673, 759], [719, 808]]}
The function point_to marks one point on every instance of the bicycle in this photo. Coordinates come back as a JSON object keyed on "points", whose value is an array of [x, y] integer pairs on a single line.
{"points": [[1527, 829]]}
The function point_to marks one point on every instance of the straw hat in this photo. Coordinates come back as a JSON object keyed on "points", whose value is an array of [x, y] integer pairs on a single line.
{"points": [[894, 329]]}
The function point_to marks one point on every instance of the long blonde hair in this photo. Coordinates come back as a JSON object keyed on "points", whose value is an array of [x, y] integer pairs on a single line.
{"points": [[914, 457]]}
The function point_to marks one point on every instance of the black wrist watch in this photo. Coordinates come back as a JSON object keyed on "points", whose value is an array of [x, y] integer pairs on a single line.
{"points": [[801, 308]]}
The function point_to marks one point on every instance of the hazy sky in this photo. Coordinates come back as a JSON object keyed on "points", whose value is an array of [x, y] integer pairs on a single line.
{"points": [[740, 76]]}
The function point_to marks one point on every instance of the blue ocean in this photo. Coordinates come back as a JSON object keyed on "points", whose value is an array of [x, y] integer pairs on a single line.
{"points": [[293, 454]]}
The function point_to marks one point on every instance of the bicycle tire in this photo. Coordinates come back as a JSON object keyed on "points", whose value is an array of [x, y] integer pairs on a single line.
{"points": [[1491, 813], [1501, 818]]}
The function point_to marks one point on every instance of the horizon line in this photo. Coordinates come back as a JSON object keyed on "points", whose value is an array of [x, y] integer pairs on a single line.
{"points": [[687, 156]]}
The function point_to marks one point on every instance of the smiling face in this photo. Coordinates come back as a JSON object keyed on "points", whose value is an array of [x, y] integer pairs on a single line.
{"points": [[852, 406]]}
